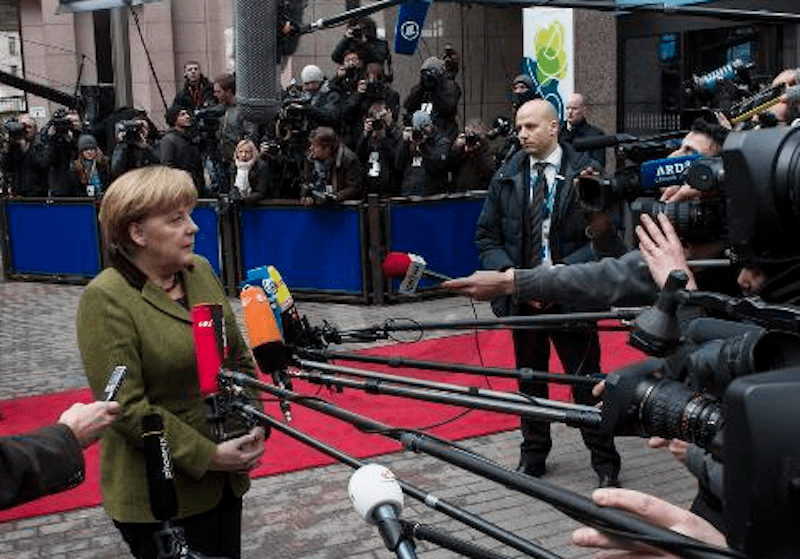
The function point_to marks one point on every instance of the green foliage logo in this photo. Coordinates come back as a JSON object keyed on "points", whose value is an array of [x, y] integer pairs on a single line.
{"points": [[551, 58]]}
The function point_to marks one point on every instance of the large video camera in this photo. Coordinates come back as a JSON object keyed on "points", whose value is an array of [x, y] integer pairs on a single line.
{"points": [[205, 125], [61, 129], [130, 131]]}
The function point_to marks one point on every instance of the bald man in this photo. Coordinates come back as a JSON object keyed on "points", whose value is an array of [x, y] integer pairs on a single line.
{"points": [[532, 217], [576, 127]]}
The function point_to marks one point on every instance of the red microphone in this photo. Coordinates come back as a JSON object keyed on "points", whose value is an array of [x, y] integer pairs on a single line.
{"points": [[410, 268], [208, 330]]}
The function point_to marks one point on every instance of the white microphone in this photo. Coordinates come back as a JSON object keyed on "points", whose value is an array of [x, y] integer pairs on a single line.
{"points": [[411, 268], [378, 498]]}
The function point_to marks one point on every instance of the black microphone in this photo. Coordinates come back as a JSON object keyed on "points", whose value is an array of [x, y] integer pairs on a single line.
{"points": [[158, 463], [604, 141], [256, 63], [378, 498]]}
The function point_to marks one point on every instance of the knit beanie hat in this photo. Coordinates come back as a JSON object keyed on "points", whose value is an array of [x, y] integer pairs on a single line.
{"points": [[433, 63], [311, 73], [86, 141], [524, 79], [420, 119]]}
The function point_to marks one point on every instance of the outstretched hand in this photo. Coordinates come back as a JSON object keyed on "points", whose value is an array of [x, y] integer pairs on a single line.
{"points": [[651, 509], [662, 250], [483, 285]]}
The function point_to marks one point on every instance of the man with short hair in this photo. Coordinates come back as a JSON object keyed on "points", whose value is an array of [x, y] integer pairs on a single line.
{"points": [[576, 127], [197, 89], [532, 217], [332, 172], [178, 149], [25, 162], [232, 129]]}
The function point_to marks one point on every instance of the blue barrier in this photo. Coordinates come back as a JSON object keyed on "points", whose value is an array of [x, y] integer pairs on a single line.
{"points": [[314, 249], [207, 241], [60, 239], [441, 231]]}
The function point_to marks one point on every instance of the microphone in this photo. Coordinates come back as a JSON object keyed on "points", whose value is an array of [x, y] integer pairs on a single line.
{"points": [[266, 341], [792, 96], [378, 498], [208, 331], [158, 464], [409, 267], [256, 63], [292, 323]]}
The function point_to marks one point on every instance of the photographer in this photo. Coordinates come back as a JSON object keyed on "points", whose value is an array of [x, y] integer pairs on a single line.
{"points": [[179, 150], [370, 89], [346, 82], [133, 149], [361, 36], [423, 158], [332, 172], [377, 149], [471, 161], [24, 159], [62, 134], [437, 95]]}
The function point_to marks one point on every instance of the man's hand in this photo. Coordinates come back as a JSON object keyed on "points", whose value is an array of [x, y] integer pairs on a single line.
{"points": [[662, 250], [241, 454], [676, 193], [88, 421], [677, 447], [651, 509], [483, 285]]}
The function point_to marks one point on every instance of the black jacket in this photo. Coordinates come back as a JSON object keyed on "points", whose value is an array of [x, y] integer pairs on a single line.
{"points": [[127, 157], [25, 171], [179, 151], [430, 176], [444, 98], [503, 235], [584, 130]]}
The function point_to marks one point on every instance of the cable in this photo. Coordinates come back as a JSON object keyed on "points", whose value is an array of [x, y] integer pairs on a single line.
{"points": [[149, 60]]}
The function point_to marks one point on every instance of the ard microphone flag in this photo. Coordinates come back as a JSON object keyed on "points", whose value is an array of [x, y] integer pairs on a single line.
{"points": [[410, 19]]}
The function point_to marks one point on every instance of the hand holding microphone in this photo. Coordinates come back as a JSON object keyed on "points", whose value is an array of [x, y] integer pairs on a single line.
{"points": [[483, 285]]}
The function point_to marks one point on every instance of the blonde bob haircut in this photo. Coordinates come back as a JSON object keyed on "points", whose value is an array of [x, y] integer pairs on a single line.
{"points": [[138, 194]]}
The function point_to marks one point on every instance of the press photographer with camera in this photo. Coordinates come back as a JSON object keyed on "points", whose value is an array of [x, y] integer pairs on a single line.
{"points": [[133, 149], [423, 158], [332, 172], [61, 135], [24, 159], [471, 160], [377, 149], [360, 35], [435, 94], [346, 82], [370, 89]]}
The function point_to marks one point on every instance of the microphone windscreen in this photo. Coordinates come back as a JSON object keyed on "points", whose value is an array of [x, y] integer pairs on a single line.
{"points": [[158, 466], [395, 265], [208, 330], [285, 300], [262, 329]]}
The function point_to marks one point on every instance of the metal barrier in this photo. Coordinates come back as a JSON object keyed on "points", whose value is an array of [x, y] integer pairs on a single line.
{"points": [[328, 253]]}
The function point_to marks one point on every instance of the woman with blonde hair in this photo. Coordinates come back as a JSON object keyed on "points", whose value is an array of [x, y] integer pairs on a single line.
{"points": [[136, 313]]}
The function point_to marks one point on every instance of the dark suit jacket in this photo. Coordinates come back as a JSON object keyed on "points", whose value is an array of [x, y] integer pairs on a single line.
{"points": [[125, 320], [46, 461]]}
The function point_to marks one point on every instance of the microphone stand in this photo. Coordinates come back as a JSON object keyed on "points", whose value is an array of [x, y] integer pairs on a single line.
{"points": [[415, 530], [572, 415], [570, 503], [520, 374], [514, 397], [569, 321], [428, 499]]}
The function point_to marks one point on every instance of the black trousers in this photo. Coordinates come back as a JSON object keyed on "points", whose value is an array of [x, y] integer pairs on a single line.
{"points": [[216, 533], [579, 352]]}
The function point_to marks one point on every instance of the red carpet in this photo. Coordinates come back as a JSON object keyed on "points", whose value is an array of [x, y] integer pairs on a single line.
{"points": [[284, 454]]}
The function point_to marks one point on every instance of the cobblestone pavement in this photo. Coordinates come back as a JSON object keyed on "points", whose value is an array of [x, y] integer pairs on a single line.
{"points": [[307, 514]]}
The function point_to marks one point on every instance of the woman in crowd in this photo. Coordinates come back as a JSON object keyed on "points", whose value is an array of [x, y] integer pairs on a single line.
{"points": [[136, 313], [250, 172]]}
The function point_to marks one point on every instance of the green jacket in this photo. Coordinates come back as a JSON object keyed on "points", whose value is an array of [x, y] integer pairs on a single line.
{"points": [[123, 319]]}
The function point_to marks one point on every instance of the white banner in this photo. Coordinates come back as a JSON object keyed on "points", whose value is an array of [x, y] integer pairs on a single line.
{"points": [[549, 49], [93, 5]]}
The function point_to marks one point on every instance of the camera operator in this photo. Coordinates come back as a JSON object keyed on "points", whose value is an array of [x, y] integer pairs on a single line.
{"points": [[346, 82], [133, 149], [423, 158], [62, 134], [377, 149], [179, 150], [361, 36], [24, 160], [471, 161], [332, 172], [370, 89], [435, 94]]}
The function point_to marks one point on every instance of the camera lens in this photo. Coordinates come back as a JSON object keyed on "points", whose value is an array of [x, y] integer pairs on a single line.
{"points": [[692, 219]]}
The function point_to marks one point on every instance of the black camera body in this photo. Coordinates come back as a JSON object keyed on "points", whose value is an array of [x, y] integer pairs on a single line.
{"points": [[63, 130], [130, 130], [429, 79], [14, 129]]}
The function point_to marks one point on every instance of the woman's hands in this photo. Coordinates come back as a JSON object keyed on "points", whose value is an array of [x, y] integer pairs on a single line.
{"points": [[241, 454]]}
